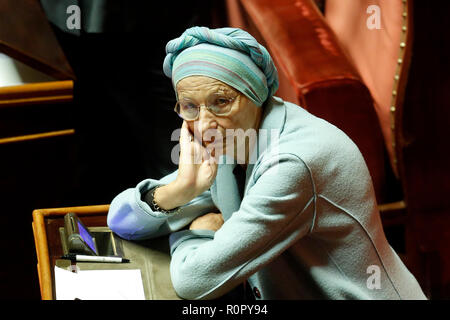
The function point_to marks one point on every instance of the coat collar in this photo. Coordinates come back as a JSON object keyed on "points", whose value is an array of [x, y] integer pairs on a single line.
{"points": [[225, 188], [271, 127], [274, 115]]}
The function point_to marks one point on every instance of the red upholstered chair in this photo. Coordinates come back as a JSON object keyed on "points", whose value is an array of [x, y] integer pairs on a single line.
{"points": [[315, 72], [341, 69]]}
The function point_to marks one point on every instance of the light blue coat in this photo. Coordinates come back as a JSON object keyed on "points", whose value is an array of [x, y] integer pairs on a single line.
{"points": [[307, 228]]}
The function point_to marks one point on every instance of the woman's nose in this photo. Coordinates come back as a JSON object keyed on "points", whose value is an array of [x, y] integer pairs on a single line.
{"points": [[206, 120]]}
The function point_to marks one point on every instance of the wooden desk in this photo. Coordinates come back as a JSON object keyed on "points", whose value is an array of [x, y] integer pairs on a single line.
{"points": [[46, 224]]}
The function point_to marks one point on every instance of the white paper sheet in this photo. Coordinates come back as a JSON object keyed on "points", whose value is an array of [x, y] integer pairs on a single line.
{"points": [[99, 285]]}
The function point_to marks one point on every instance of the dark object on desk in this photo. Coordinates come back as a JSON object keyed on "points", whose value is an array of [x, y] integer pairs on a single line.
{"points": [[77, 237]]}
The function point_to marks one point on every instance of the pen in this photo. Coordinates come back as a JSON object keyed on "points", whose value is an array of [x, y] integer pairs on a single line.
{"points": [[84, 258]]}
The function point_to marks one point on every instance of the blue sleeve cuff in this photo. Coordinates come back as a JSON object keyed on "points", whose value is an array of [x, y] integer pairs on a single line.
{"points": [[176, 238]]}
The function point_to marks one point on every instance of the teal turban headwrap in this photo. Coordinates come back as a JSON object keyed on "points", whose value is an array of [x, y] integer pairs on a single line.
{"points": [[230, 55]]}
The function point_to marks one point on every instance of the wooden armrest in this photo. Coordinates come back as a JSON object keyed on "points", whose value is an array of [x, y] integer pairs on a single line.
{"points": [[83, 210]]}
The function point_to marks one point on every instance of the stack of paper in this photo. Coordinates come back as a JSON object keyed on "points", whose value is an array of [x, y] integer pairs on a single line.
{"points": [[99, 285]]}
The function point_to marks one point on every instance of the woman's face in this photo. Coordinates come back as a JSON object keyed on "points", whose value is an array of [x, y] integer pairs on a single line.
{"points": [[244, 114]]}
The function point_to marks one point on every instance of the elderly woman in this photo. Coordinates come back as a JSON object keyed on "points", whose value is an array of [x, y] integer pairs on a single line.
{"points": [[295, 216]]}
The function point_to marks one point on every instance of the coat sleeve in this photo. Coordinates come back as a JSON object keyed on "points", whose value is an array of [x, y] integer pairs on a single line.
{"points": [[276, 211], [132, 218]]}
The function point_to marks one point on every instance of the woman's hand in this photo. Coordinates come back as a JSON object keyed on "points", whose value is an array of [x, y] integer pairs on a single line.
{"points": [[196, 173], [197, 169], [210, 221]]}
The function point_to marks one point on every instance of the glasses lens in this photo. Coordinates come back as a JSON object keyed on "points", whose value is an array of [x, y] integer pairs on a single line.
{"points": [[220, 104], [187, 110]]}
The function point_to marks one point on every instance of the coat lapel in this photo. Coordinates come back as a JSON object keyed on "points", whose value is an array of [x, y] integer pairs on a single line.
{"points": [[225, 190]]}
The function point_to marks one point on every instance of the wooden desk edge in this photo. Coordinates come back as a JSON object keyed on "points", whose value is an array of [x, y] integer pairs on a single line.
{"points": [[40, 238], [40, 92]]}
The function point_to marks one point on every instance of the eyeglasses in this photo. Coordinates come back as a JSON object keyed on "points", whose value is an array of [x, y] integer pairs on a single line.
{"points": [[218, 104]]}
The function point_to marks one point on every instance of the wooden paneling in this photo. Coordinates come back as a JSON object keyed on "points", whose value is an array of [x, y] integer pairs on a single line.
{"points": [[26, 35]]}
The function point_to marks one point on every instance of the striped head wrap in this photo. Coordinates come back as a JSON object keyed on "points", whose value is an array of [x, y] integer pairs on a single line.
{"points": [[230, 55]]}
